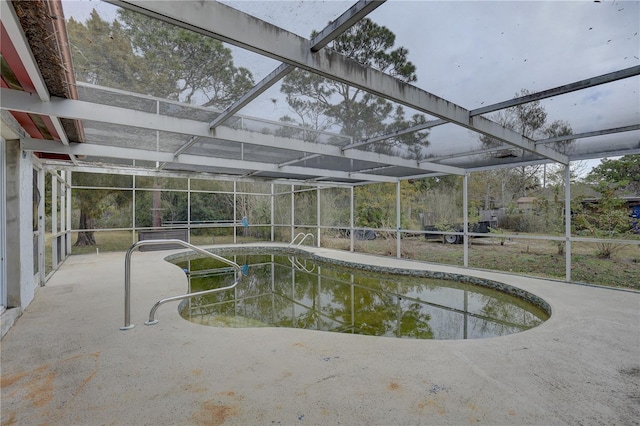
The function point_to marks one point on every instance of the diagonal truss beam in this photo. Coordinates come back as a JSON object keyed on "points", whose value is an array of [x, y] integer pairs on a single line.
{"points": [[232, 26], [256, 91], [16, 100], [345, 21], [416, 128], [299, 160], [324, 37]]}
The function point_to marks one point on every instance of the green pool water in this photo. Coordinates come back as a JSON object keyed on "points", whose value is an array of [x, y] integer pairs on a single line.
{"points": [[296, 292]]}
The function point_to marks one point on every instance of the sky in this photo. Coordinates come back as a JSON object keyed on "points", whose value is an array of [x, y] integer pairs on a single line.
{"points": [[476, 53]]}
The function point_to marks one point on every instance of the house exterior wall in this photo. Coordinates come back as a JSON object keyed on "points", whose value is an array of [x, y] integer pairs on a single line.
{"points": [[20, 284], [3, 226]]}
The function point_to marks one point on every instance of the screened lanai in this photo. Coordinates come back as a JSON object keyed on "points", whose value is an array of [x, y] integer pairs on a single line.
{"points": [[304, 137]]}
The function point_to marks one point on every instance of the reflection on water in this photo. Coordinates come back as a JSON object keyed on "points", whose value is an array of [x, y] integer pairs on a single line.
{"points": [[284, 291]]}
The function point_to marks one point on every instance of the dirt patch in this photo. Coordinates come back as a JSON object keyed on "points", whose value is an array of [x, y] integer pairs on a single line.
{"points": [[393, 386], [217, 412]]}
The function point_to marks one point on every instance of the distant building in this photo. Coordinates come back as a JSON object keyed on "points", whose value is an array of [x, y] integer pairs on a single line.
{"points": [[526, 204]]}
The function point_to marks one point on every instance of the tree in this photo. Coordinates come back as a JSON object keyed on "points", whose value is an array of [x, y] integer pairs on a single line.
{"points": [[530, 120], [184, 65], [622, 175], [92, 202], [147, 56], [321, 103], [102, 55], [609, 217]]}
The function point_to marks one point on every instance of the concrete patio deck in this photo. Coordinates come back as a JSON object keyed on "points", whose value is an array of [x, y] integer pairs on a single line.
{"points": [[65, 361]]}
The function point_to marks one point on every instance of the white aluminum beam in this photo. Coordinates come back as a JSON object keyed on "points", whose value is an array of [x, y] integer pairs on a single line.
{"points": [[58, 165], [70, 108], [560, 90], [608, 154], [324, 37], [542, 141], [232, 26], [40, 145], [590, 134]]}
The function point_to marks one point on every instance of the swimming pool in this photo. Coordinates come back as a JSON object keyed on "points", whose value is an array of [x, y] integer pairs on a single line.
{"points": [[289, 288]]}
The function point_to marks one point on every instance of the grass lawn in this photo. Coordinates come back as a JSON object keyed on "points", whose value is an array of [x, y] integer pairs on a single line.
{"points": [[528, 257], [122, 240]]}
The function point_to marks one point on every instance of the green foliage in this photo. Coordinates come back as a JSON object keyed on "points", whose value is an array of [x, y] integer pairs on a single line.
{"points": [[608, 218], [369, 44], [375, 206], [102, 55], [145, 55], [320, 103], [622, 175]]}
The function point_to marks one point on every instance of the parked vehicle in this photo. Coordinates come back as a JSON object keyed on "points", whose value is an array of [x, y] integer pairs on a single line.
{"points": [[488, 220]]}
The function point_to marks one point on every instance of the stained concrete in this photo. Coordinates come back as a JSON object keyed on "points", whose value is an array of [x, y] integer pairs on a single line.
{"points": [[66, 362]]}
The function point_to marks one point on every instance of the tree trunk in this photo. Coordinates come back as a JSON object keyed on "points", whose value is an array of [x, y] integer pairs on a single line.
{"points": [[85, 238]]}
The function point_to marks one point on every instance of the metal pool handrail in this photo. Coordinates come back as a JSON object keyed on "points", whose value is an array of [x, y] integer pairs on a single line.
{"points": [[303, 238], [299, 265], [127, 278], [152, 314]]}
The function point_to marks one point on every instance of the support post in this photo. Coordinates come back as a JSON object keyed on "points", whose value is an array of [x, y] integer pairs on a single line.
{"points": [[133, 214], [398, 222], [318, 215], [40, 219], [567, 221], [67, 183], [63, 216], [54, 218], [465, 214], [235, 211], [351, 230], [272, 211], [188, 210], [293, 214]]}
